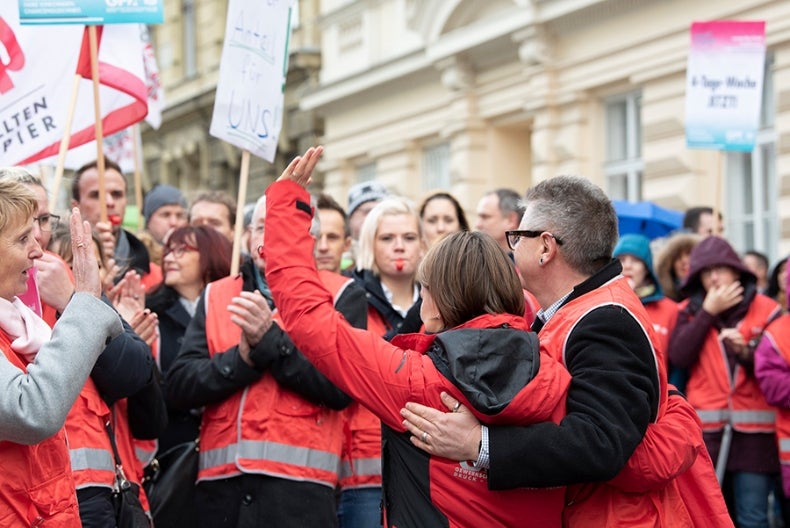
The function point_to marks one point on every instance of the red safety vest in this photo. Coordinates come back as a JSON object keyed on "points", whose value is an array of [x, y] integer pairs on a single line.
{"points": [[264, 428], [721, 396], [778, 332], [663, 313], [361, 467], [602, 504], [36, 484]]}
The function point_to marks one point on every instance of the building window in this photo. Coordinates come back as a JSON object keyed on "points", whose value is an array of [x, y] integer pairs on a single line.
{"points": [[436, 167], [365, 172], [751, 214], [623, 166], [189, 52]]}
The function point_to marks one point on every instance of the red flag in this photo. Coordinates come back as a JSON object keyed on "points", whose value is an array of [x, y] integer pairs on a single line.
{"points": [[113, 45]]}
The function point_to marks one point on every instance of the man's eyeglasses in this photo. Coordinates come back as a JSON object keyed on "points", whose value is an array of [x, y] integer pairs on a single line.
{"points": [[178, 251], [47, 222], [514, 236]]}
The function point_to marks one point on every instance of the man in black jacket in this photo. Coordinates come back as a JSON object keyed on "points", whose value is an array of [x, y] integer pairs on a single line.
{"points": [[199, 377], [563, 251]]}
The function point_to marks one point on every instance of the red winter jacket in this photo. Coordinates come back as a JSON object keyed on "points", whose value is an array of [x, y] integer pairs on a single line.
{"points": [[491, 364]]}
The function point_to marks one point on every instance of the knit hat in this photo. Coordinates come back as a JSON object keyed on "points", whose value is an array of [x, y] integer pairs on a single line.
{"points": [[365, 192], [713, 251], [160, 196], [639, 246]]}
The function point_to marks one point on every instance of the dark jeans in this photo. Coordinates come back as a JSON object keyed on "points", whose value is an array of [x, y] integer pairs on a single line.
{"points": [[360, 508], [259, 500]]}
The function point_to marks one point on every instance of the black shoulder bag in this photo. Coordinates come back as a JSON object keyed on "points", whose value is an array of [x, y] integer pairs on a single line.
{"points": [[129, 511]]}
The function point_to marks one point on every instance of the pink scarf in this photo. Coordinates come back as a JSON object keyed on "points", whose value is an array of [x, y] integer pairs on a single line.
{"points": [[27, 330]]}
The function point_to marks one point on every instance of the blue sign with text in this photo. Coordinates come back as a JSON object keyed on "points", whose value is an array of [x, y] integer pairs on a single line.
{"points": [[90, 12]]}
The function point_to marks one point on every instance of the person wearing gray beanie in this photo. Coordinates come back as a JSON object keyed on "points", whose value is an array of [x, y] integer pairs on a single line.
{"points": [[164, 209]]}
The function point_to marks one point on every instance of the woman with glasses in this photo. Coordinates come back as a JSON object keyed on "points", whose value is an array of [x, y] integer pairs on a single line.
{"points": [[192, 257], [477, 349]]}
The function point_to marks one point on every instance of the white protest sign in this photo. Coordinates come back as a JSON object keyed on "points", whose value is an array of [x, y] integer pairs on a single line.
{"points": [[724, 84], [248, 108]]}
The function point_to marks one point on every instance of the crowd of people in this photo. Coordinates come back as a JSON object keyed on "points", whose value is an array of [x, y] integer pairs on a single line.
{"points": [[387, 363]]}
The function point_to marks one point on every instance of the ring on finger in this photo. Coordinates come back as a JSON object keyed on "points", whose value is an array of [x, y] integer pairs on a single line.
{"points": [[295, 175], [456, 406], [424, 437]]}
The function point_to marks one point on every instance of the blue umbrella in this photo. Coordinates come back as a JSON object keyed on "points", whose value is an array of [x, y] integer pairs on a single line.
{"points": [[646, 218]]}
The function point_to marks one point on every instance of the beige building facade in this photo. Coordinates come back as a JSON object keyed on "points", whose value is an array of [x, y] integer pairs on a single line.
{"points": [[472, 95]]}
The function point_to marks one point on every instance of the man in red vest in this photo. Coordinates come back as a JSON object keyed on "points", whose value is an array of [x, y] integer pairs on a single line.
{"points": [[592, 321], [271, 436]]}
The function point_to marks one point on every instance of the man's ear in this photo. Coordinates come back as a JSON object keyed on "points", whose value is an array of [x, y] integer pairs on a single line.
{"points": [[347, 244]]}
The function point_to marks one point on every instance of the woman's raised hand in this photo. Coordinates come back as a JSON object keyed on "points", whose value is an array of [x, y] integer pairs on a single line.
{"points": [[84, 264], [301, 168]]}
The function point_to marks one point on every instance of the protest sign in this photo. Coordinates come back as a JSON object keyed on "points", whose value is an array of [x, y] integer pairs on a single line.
{"points": [[724, 84], [93, 12]]}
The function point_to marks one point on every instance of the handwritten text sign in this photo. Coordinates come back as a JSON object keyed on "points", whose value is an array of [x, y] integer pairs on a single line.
{"points": [[248, 109]]}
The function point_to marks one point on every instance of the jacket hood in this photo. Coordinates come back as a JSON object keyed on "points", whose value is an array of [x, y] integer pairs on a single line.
{"points": [[714, 251], [639, 247]]}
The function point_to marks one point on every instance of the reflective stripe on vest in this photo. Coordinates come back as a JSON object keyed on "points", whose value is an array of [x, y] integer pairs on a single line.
{"points": [[269, 451], [91, 458], [723, 416], [362, 467]]}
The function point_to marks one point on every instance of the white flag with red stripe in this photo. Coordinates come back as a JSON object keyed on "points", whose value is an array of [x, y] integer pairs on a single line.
{"points": [[37, 74]]}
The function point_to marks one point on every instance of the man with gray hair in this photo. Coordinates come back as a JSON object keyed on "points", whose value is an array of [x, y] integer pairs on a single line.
{"points": [[271, 434], [497, 212], [593, 322]]}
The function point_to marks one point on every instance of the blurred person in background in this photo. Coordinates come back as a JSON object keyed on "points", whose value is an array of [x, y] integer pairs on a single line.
{"points": [[700, 221], [335, 238], [772, 370], [497, 212], [758, 264], [119, 244], [777, 283], [633, 252], [164, 209], [215, 209], [672, 263], [718, 328], [441, 214]]}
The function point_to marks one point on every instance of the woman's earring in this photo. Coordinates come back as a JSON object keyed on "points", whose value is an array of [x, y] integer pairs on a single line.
{"points": [[541, 261]]}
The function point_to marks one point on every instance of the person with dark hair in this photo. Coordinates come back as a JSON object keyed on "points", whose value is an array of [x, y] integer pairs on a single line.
{"points": [[477, 349], [777, 284], [441, 214], [126, 249], [335, 237], [216, 209], [699, 220], [497, 212], [193, 257], [772, 370], [628, 447], [757, 263], [718, 328]]}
